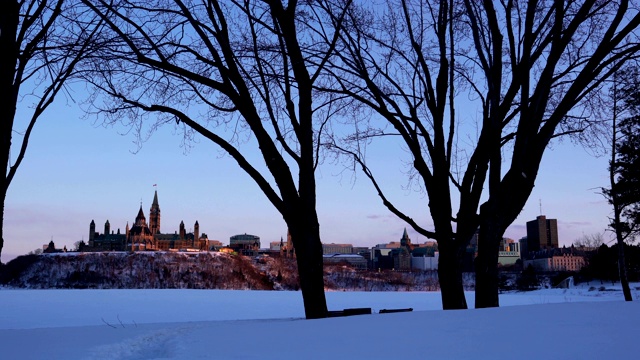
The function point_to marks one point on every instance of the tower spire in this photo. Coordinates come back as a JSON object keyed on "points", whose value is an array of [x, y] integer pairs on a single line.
{"points": [[154, 215]]}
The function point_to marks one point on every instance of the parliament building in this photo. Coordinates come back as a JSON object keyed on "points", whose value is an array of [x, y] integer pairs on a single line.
{"points": [[143, 236]]}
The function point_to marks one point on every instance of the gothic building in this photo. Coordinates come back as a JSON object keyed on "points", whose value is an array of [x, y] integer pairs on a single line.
{"points": [[402, 255], [286, 249], [143, 236]]}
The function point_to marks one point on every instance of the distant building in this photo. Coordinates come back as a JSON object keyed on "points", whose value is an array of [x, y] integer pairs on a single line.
{"points": [[143, 236], [524, 247], [509, 252], [356, 261], [286, 249], [382, 259], [542, 233], [390, 245], [400, 255], [506, 258], [214, 245], [394, 255], [51, 248], [561, 259], [107, 241], [245, 244], [425, 263], [337, 249]]}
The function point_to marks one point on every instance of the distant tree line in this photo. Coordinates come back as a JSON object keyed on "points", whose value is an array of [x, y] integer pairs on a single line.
{"points": [[603, 263]]}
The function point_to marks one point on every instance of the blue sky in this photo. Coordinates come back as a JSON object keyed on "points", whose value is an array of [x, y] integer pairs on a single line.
{"points": [[76, 171]]}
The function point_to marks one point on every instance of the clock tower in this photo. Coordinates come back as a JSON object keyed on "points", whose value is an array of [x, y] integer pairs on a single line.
{"points": [[154, 215]]}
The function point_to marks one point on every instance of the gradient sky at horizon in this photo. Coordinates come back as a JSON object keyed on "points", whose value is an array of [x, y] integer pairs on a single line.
{"points": [[76, 171]]}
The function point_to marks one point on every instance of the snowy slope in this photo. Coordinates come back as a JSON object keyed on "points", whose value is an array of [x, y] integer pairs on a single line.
{"points": [[215, 324]]}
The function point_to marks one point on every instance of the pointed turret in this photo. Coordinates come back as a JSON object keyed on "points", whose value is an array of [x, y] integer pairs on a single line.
{"points": [[405, 242], [107, 228], [405, 239], [92, 232], [183, 232], [140, 219]]}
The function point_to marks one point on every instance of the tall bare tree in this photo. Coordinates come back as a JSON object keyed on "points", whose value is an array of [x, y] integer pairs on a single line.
{"points": [[42, 41], [231, 70], [399, 61], [624, 167], [542, 61], [529, 67]]}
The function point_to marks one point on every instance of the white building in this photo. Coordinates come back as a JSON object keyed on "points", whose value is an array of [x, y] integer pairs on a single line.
{"points": [[425, 263]]}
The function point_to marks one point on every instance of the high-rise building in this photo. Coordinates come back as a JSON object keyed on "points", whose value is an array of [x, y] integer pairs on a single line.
{"points": [[542, 233]]}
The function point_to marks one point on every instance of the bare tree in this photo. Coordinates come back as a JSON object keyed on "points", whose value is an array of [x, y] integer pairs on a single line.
{"points": [[241, 74], [42, 42], [558, 54], [529, 67], [589, 241], [399, 61], [623, 193]]}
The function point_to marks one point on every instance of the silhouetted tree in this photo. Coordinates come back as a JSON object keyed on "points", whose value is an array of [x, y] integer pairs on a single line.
{"points": [[223, 67], [42, 41], [556, 64], [399, 60], [603, 264], [624, 169], [529, 67]]}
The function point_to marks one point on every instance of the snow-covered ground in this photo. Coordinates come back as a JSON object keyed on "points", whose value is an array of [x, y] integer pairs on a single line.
{"points": [[223, 324]]}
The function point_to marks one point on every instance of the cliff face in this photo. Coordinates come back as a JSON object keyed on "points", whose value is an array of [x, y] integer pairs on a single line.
{"points": [[148, 270], [171, 270]]}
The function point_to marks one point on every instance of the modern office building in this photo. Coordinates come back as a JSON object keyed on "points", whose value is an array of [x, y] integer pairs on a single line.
{"points": [[542, 233]]}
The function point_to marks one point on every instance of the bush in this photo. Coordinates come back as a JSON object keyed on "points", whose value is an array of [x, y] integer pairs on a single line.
{"points": [[528, 280]]}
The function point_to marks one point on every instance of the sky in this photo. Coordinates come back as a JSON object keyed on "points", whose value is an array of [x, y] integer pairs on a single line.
{"points": [[76, 170], [577, 323]]}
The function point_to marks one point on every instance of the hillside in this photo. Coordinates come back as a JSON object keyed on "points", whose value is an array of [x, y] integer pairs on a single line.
{"points": [[181, 270], [147, 270]]}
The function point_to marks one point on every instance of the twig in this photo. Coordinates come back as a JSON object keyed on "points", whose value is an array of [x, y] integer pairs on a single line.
{"points": [[118, 316], [107, 323]]}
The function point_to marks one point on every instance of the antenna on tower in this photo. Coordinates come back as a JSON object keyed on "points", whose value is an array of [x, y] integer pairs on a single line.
{"points": [[540, 201]]}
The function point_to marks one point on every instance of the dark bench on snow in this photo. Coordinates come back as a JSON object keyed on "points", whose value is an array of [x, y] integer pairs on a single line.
{"points": [[350, 312], [389, 311]]}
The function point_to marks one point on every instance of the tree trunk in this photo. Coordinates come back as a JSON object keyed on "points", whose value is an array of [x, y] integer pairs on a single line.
{"points": [[450, 277], [308, 248], [622, 269], [9, 19], [486, 264], [2, 222], [496, 214]]}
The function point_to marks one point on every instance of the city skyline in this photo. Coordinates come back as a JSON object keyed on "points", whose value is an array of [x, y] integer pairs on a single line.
{"points": [[76, 171]]}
